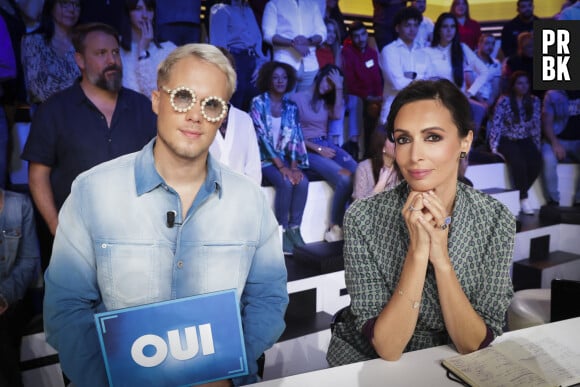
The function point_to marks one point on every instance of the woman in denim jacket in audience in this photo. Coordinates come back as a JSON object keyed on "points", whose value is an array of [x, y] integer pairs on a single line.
{"points": [[19, 266], [282, 148]]}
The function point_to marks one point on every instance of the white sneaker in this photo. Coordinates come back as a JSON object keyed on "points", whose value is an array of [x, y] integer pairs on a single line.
{"points": [[525, 207], [334, 234]]}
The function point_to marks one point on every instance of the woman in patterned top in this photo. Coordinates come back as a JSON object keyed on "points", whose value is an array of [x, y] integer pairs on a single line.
{"points": [[282, 148], [418, 277], [514, 135], [48, 57]]}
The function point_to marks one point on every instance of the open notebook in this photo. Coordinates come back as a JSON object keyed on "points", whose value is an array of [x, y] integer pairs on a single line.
{"points": [[519, 362]]}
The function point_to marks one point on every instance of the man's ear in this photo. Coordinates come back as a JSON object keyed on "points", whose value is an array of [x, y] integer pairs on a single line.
{"points": [[155, 101], [80, 60]]}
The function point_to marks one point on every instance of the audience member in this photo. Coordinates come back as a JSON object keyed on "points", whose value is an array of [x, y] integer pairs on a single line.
{"points": [[523, 60], [19, 268], [468, 29], [515, 134], [234, 27], [225, 226], [178, 21], [377, 173], [383, 13], [236, 144], [425, 32], [413, 283], [294, 29], [364, 85], [403, 60], [328, 52], [282, 148], [92, 121], [7, 72], [111, 12], [572, 12], [333, 12], [452, 59], [490, 90], [48, 57], [316, 106], [523, 22], [560, 127], [141, 50]]}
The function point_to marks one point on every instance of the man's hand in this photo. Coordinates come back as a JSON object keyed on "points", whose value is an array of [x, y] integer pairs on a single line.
{"points": [[559, 150]]}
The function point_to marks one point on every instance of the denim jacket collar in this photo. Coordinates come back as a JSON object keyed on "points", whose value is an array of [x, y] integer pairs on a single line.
{"points": [[147, 178]]}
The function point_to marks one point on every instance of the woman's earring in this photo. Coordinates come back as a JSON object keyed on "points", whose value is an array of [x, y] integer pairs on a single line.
{"points": [[462, 155]]}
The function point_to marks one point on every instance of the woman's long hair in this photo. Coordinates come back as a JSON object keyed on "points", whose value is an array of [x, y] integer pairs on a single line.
{"points": [[335, 47], [456, 49], [527, 102], [127, 29], [329, 98], [47, 20], [377, 143]]}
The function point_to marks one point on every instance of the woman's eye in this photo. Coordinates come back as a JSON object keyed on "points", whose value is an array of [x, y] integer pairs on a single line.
{"points": [[401, 140], [433, 137]]}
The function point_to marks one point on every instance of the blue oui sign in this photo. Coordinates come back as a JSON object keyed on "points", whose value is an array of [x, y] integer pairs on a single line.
{"points": [[174, 343]]}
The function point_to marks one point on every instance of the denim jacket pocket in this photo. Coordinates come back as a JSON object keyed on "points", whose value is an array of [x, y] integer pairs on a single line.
{"points": [[226, 265], [9, 241], [131, 273]]}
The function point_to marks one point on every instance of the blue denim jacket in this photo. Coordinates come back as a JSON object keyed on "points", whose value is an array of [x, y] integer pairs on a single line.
{"points": [[113, 250], [19, 254]]}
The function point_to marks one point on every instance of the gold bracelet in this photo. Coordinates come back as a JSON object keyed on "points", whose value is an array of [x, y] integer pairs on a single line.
{"points": [[414, 303]]}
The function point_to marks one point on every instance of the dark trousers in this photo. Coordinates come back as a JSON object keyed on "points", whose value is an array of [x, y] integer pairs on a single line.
{"points": [[12, 324], [524, 161], [245, 89]]}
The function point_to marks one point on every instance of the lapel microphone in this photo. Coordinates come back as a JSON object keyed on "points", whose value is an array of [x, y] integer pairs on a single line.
{"points": [[170, 218]]}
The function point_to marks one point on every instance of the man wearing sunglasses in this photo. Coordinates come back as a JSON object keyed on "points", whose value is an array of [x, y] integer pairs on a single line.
{"points": [[166, 222]]}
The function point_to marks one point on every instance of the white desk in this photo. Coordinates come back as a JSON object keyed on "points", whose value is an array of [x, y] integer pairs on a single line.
{"points": [[419, 368]]}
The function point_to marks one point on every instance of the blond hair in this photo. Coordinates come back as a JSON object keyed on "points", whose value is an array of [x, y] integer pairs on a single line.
{"points": [[207, 53]]}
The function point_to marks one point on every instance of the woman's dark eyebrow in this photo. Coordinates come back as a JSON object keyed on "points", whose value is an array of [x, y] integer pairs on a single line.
{"points": [[437, 128]]}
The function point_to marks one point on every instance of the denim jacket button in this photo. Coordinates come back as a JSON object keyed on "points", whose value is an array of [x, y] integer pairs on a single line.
{"points": [[180, 264]]}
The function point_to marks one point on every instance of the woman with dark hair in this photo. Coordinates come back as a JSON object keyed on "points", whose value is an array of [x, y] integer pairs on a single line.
{"points": [[282, 148], [48, 56], [515, 135], [428, 262], [468, 29], [456, 62], [377, 173], [141, 51], [318, 104]]}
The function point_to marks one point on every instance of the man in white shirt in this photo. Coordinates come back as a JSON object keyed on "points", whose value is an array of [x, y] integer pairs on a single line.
{"points": [[294, 28], [490, 90], [236, 145], [425, 32], [403, 60]]}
